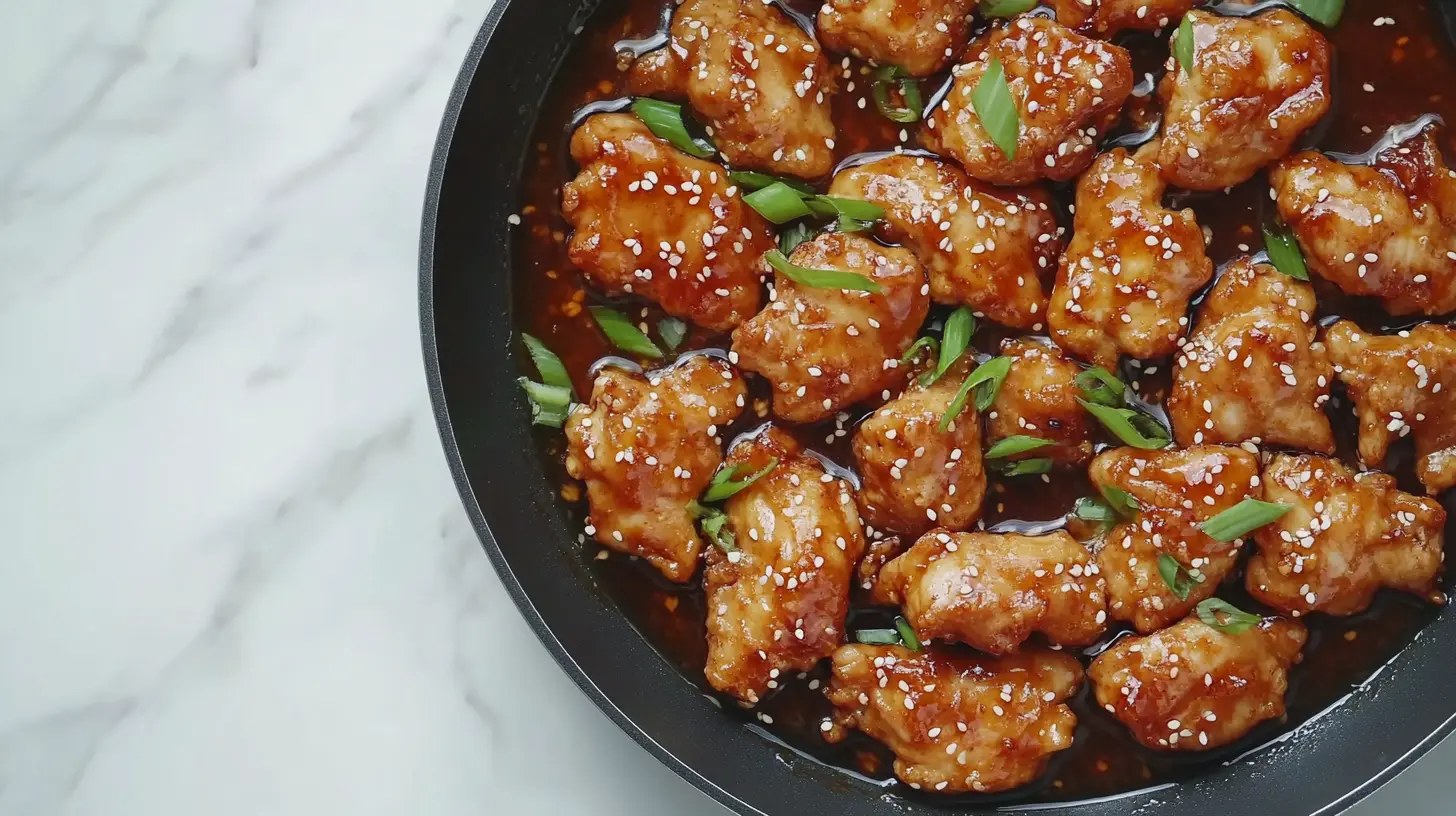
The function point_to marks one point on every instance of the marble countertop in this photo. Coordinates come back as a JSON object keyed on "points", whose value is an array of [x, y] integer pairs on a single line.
{"points": [[235, 577]]}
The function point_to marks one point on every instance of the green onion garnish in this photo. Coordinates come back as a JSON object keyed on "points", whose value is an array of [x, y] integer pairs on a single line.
{"points": [[878, 637], [549, 403], [1324, 12], [758, 181], [1012, 445], [1179, 580], [623, 334], [929, 343], [547, 363], [993, 104], [1284, 251], [956, 337], [909, 88], [778, 202], [855, 208], [1121, 501], [1183, 44], [672, 331], [793, 235], [1090, 508], [714, 523], [987, 380], [1005, 8], [1225, 617], [1242, 519], [821, 278], [723, 487], [665, 120], [907, 634], [1133, 427], [1026, 467], [1098, 385]]}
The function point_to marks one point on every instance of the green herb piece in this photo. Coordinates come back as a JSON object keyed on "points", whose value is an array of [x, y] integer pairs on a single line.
{"points": [[624, 334], [893, 75], [1012, 445], [1099, 385], [821, 278], [1324, 12], [793, 235], [855, 208], [997, 111], [1177, 576], [549, 403], [1005, 8], [986, 380], [723, 487], [1090, 508], [1121, 501], [1025, 467], [954, 339], [665, 120], [878, 637], [714, 523], [1225, 617], [758, 181], [847, 224], [907, 634], [1284, 251], [1183, 44], [929, 343], [1242, 519], [778, 202], [1133, 427], [547, 363], [672, 331]]}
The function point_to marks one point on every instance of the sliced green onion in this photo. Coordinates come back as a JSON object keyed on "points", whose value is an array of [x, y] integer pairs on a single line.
{"points": [[665, 120], [1179, 580], [624, 334], [672, 331], [914, 104], [847, 224], [1183, 44], [758, 181], [1242, 519], [547, 363], [878, 637], [1225, 617], [793, 235], [1121, 501], [1131, 426], [1324, 12], [987, 380], [821, 278], [549, 403], [929, 343], [1090, 508], [778, 202], [1013, 445], [1026, 467], [1099, 385], [955, 338], [1284, 251], [723, 487], [1005, 8], [855, 208], [907, 634], [993, 104], [714, 523]]}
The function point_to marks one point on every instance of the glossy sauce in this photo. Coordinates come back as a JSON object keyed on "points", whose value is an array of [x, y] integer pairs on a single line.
{"points": [[1412, 70]]}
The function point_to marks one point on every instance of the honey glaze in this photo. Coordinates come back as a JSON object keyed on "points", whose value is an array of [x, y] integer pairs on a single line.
{"points": [[1386, 75]]}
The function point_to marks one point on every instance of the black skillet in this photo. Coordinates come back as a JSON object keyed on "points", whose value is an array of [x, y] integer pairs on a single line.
{"points": [[1323, 767]]}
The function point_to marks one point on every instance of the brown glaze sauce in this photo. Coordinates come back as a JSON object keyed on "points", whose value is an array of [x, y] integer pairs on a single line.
{"points": [[1412, 70]]}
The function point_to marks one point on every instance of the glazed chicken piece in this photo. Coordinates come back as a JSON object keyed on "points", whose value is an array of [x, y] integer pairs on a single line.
{"points": [[647, 446], [656, 222], [825, 349], [920, 36], [1175, 490], [1068, 90], [1387, 230], [1039, 398], [1104, 18], [913, 475], [981, 246], [1346, 536], [762, 84], [1402, 384], [1124, 283], [1252, 369], [1192, 687], [777, 604], [957, 722], [1258, 83], [993, 591]]}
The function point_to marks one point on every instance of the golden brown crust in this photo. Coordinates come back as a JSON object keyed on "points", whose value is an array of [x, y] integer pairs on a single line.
{"points": [[920, 36], [1039, 398]]}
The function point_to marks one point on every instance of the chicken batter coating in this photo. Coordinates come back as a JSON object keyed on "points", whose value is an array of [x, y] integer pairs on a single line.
{"points": [[1386, 230], [957, 722], [1347, 535], [1402, 384], [646, 445], [1175, 490], [1191, 687], [777, 604], [1068, 90], [761, 82], [981, 246], [1124, 283], [1039, 398], [1252, 369], [654, 221], [825, 349], [993, 591], [1104, 18], [921, 36], [1257, 84]]}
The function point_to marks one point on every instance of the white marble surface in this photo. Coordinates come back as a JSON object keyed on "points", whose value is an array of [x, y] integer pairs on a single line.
{"points": [[235, 576]]}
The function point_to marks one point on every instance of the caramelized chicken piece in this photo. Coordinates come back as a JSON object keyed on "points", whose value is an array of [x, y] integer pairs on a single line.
{"points": [[993, 591], [1104, 18], [878, 553], [777, 603], [981, 246], [1387, 230], [1068, 89], [647, 447], [1124, 283], [1252, 370], [824, 349], [659, 223], [956, 722], [1346, 536], [1175, 490], [913, 475], [1258, 83], [762, 84], [1039, 398], [1402, 384], [1192, 687], [921, 36]]}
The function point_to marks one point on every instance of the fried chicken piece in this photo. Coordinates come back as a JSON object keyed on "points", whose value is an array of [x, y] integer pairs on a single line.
{"points": [[646, 446], [1387, 230], [1104, 18], [762, 84], [1124, 283], [825, 349], [993, 591], [1069, 90], [1252, 369], [1192, 687], [654, 221], [1175, 490], [1346, 536], [777, 604], [981, 246], [878, 553], [1402, 384], [1257, 84], [1039, 398], [957, 722], [920, 36], [913, 475]]}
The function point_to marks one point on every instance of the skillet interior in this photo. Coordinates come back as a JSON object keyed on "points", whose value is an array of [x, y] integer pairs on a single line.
{"points": [[472, 364]]}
